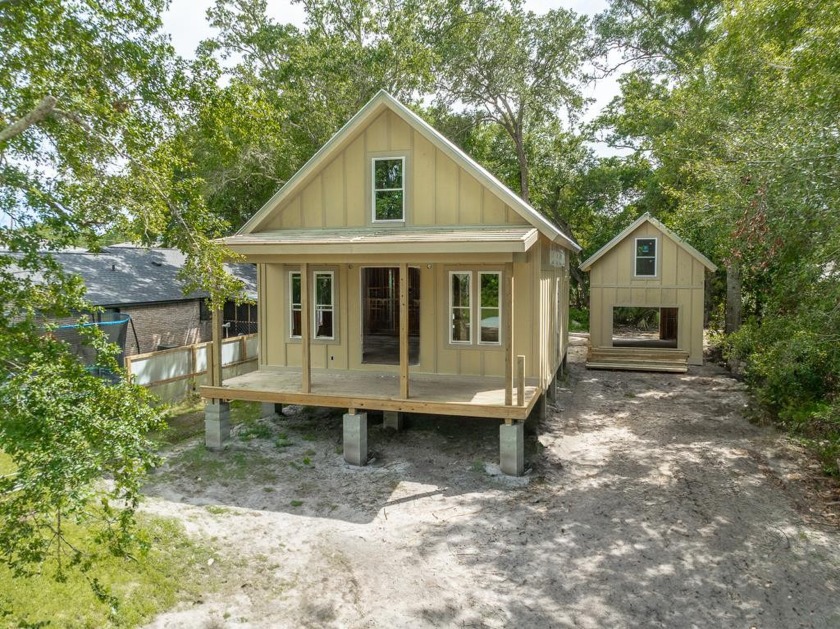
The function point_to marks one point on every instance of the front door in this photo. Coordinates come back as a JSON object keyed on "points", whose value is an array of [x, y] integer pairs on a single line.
{"points": [[381, 315]]}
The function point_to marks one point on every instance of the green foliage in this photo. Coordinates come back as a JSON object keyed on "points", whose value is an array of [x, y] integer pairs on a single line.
{"points": [[511, 67], [127, 592], [737, 104], [91, 100], [578, 320]]}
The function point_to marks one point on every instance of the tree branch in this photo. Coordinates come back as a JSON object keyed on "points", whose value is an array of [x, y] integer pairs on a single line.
{"points": [[41, 111]]}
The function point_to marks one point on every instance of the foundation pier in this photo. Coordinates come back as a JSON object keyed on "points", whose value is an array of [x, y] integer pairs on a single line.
{"points": [[393, 419], [512, 448], [270, 408], [356, 438], [216, 424]]}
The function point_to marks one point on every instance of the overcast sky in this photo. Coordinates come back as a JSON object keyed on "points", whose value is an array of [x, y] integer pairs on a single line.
{"points": [[186, 22]]}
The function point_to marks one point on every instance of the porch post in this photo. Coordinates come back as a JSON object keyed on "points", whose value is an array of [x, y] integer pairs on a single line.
{"points": [[216, 412], [507, 319], [215, 359], [305, 330], [404, 331]]}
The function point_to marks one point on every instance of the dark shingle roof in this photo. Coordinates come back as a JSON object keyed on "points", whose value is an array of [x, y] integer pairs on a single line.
{"points": [[122, 275]]}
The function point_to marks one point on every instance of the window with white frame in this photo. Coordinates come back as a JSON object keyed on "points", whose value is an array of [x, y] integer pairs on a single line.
{"points": [[324, 302], [460, 306], [294, 304], [490, 300], [645, 262], [475, 296], [324, 305], [388, 189]]}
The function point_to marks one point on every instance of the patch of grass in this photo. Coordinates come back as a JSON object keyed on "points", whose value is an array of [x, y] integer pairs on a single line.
{"points": [[173, 568], [307, 460], [296, 503], [477, 466], [199, 462], [309, 437], [255, 430]]}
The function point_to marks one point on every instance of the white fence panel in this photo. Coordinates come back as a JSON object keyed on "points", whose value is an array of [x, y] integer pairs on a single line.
{"points": [[173, 373]]}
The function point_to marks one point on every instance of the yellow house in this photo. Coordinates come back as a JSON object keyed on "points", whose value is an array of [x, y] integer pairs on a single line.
{"points": [[396, 274], [647, 266]]}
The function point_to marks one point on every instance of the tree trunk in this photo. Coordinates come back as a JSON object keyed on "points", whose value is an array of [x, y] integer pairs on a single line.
{"points": [[733, 297], [522, 158]]}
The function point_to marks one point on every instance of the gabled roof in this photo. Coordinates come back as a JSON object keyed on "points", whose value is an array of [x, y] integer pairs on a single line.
{"points": [[127, 275], [367, 114], [646, 217]]}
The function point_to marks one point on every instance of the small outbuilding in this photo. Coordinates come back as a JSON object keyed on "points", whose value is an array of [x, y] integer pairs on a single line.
{"points": [[646, 300]]}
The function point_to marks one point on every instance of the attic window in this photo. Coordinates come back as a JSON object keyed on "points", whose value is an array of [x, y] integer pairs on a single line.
{"points": [[645, 257], [388, 189]]}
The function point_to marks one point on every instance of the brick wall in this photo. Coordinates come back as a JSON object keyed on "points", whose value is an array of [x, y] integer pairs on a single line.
{"points": [[165, 324]]}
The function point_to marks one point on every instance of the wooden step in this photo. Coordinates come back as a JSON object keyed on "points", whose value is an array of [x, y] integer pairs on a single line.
{"points": [[643, 365], [637, 353], [638, 359]]}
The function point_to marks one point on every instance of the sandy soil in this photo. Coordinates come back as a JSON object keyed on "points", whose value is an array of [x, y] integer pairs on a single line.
{"points": [[650, 502]]}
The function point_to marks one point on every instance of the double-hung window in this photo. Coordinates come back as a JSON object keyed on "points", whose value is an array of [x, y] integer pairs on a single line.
{"points": [[490, 287], [460, 303], [294, 304], [388, 189], [645, 260], [323, 324], [471, 300], [324, 305]]}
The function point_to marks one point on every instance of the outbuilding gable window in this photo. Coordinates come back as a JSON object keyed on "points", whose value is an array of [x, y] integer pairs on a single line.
{"points": [[645, 257], [388, 189]]}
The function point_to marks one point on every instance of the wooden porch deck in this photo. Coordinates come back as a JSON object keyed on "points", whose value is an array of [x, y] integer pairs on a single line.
{"points": [[434, 394]]}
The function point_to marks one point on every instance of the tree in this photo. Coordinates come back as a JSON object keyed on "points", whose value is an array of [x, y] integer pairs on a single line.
{"points": [[744, 134], [87, 93], [518, 69]]}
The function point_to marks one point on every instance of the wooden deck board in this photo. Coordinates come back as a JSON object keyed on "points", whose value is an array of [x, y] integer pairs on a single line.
{"points": [[433, 394]]}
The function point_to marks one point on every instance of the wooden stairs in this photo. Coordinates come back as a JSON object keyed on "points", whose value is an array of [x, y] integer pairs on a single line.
{"points": [[638, 359]]}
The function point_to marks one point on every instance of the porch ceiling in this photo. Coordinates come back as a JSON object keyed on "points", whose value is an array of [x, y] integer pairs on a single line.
{"points": [[376, 240]]}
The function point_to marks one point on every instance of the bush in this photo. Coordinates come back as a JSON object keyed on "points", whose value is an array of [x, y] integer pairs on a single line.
{"points": [[793, 369], [578, 320]]}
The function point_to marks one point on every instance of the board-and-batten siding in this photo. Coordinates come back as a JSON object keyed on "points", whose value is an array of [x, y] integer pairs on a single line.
{"points": [[534, 294], [437, 190], [679, 284]]}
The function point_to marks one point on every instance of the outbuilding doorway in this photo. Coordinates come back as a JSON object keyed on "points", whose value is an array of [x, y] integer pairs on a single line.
{"points": [[645, 327], [381, 315]]}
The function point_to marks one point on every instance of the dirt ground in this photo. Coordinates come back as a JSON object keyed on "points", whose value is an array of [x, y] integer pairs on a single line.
{"points": [[650, 502]]}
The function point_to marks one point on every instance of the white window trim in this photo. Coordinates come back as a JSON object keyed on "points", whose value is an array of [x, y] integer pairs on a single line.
{"points": [[479, 307], [450, 313], [374, 189], [655, 257], [292, 335], [315, 275]]}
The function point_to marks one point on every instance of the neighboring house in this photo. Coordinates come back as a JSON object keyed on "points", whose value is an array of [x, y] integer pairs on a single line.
{"points": [[143, 283], [647, 266], [397, 274]]}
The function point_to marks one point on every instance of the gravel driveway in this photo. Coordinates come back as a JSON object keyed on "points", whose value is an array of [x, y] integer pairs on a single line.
{"points": [[651, 502]]}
